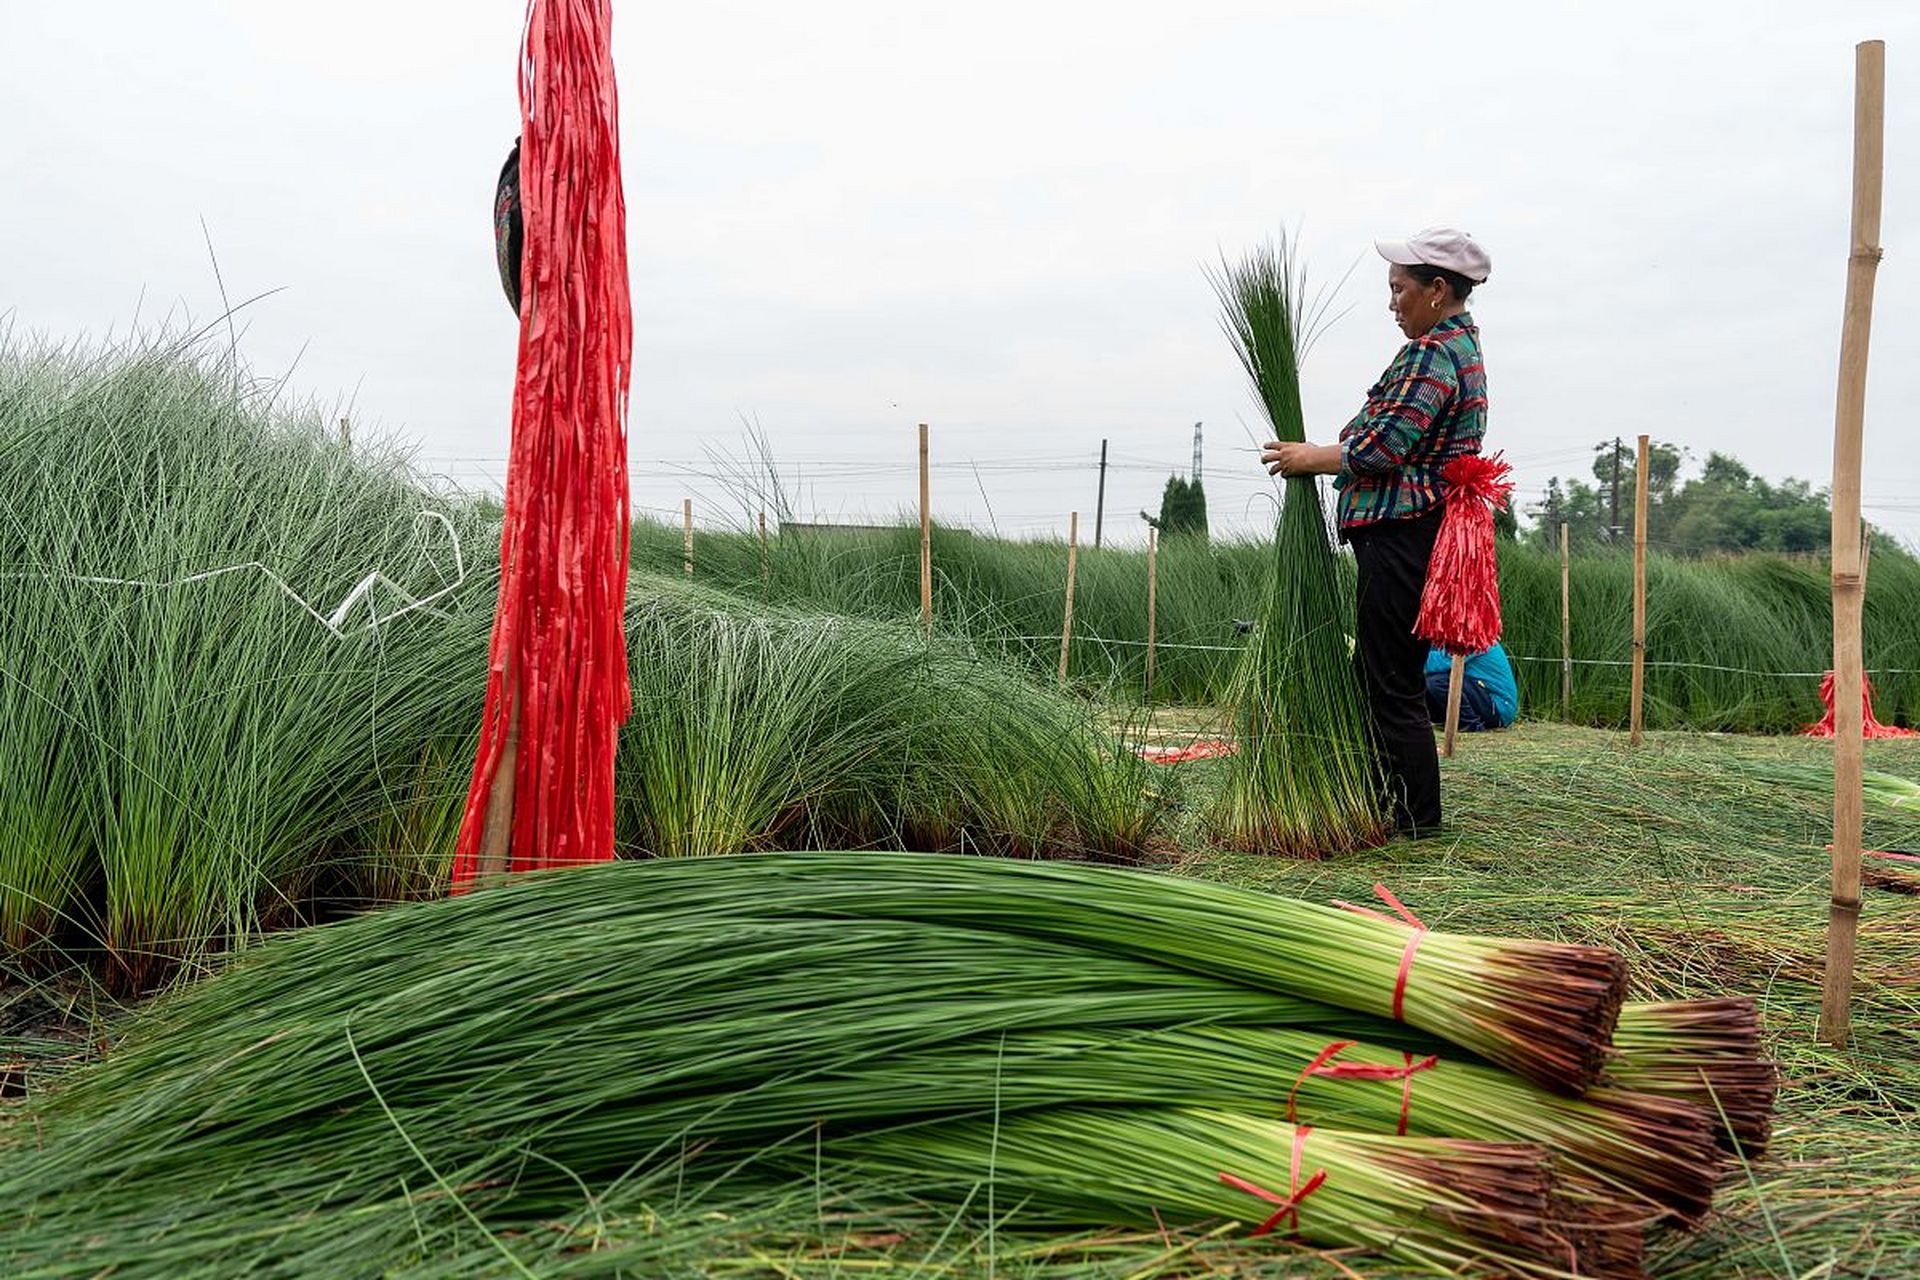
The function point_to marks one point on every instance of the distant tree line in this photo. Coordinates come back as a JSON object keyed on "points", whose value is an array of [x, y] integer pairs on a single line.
{"points": [[1724, 508]]}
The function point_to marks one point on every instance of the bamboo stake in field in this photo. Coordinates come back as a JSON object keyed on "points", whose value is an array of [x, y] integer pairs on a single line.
{"points": [[1456, 676], [496, 837], [686, 520], [1639, 594], [766, 567], [1153, 552], [1849, 419], [926, 540], [1066, 622], [1566, 626]]}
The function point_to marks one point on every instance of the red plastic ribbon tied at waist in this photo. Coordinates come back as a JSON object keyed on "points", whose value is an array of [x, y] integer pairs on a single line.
{"points": [[1324, 1064], [1290, 1203], [1407, 918]]}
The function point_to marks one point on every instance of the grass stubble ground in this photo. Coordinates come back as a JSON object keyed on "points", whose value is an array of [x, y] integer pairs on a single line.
{"points": [[1710, 878]]}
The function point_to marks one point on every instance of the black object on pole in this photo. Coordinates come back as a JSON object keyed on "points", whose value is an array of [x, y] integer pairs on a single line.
{"points": [[1100, 503]]}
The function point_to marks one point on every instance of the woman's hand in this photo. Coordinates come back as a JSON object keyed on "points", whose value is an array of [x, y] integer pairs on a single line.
{"points": [[1298, 458]]}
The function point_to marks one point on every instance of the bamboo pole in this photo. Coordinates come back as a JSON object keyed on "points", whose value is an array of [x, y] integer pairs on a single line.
{"points": [[686, 520], [1566, 626], [766, 566], [496, 833], [1066, 621], [1153, 551], [1456, 677], [926, 540], [1849, 420], [1639, 593]]}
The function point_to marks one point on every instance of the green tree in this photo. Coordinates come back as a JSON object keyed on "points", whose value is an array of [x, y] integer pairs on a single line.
{"points": [[1183, 508], [1588, 509]]}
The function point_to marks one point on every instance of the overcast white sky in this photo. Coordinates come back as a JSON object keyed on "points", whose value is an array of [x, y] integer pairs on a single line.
{"points": [[851, 216]]}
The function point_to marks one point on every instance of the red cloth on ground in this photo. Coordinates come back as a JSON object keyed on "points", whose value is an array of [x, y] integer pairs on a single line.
{"points": [[1870, 728]]}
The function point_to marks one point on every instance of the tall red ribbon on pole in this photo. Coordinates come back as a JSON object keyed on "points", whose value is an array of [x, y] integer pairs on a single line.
{"points": [[557, 677]]}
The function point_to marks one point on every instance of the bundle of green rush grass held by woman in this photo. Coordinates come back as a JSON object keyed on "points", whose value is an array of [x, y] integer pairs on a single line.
{"points": [[1302, 782], [1427, 410]]}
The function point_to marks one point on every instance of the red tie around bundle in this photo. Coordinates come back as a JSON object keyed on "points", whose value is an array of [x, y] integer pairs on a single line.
{"points": [[1324, 1065], [1460, 607], [1407, 917], [1289, 1203], [557, 671]]}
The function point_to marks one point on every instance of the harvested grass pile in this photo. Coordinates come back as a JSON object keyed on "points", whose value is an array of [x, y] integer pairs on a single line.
{"points": [[1098, 1044]]}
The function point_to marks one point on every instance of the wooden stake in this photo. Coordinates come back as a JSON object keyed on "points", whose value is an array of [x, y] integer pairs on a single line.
{"points": [[766, 568], [496, 833], [1455, 679], [686, 520], [1153, 550], [1639, 594], [1066, 622], [926, 541], [1566, 626], [1849, 420]]}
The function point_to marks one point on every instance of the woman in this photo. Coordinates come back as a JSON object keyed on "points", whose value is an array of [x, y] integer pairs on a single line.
{"points": [[1428, 408]]}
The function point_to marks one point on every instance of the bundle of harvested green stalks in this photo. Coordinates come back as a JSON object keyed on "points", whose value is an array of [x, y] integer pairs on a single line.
{"points": [[1705, 1052], [1655, 1155], [1543, 1009], [1303, 781], [523, 1052], [1446, 1205]]}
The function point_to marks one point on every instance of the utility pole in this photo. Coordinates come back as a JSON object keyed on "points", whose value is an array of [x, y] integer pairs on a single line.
{"points": [[1100, 503], [1613, 525]]}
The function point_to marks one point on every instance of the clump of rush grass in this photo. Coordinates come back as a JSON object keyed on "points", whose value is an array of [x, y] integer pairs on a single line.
{"points": [[1303, 781], [756, 727], [185, 739]]}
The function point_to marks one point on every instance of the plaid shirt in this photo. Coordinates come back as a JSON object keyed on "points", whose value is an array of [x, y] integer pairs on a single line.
{"points": [[1428, 408]]}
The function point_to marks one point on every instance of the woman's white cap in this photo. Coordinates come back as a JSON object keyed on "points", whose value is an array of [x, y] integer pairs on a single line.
{"points": [[1439, 247]]}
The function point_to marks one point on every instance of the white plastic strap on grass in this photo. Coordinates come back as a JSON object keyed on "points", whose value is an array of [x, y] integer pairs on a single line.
{"points": [[335, 621]]}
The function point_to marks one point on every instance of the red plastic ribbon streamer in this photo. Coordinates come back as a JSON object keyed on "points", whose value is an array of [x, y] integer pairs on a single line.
{"points": [[1407, 918], [1460, 608], [1289, 1203], [1869, 727], [557, 673], [1324, 1064]]}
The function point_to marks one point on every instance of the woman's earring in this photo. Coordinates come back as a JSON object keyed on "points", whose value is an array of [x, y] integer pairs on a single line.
{"points": [[1436, 304]]}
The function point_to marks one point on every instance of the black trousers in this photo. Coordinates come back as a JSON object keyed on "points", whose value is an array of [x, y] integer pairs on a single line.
{"points": [[1392, 559]]}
